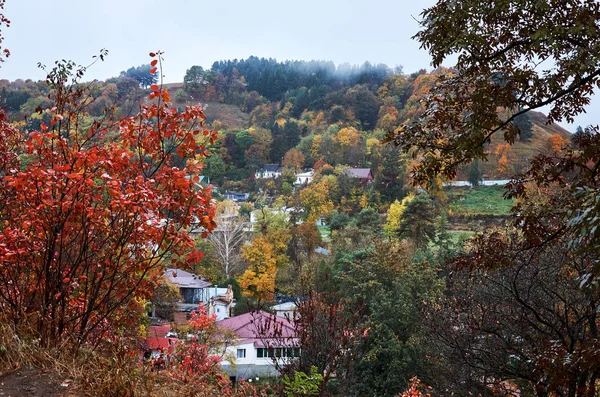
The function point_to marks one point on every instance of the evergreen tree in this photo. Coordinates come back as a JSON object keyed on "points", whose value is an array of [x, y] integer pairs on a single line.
{"points": [[417, 221], [474, 173]]}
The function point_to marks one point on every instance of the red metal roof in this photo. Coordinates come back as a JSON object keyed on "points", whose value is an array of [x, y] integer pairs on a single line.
{"points": [[249, 325], [165, 344], [158, 331]]}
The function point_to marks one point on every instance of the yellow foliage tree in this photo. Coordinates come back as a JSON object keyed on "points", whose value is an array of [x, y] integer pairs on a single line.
{"points": [[372, 143], [316, 145], [258, 281], [348, 137], [394, 215], [315, 200]]}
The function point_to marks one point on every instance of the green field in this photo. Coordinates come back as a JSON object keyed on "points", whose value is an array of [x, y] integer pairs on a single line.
{"points": [[477, 201]]}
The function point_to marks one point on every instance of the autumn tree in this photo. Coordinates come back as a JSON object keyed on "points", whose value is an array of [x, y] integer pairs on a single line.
{"points": [[164, 298], [258, 281], [294, 159], [88, 222], [556, 143], [315, 200], [490, 74], [197, 360], [498, 78], [394, 215]]}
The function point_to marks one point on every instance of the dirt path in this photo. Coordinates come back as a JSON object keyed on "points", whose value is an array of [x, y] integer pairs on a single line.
{"points": [[29, 383]]}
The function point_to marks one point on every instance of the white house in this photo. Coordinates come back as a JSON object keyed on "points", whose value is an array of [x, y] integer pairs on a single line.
{"points": [[269, 171], [285, 310], [304, 178], [257, 347], [195, 289]]}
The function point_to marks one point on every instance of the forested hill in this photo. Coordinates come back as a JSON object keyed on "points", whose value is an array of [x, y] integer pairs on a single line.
{"points": [[264, 108]]}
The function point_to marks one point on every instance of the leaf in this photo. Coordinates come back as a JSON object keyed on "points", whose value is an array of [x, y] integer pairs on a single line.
{"points": [[154, 87], [154, 62], [153, 70]]}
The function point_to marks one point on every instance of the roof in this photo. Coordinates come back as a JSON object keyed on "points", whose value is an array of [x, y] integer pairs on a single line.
{"points": [[306, 174], [158, 331], [271, 168], [362, 173], [160, 343], [184, 279], [247, 325], [285, 306]]}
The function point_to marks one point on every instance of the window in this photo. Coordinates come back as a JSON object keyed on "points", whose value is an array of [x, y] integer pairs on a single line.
{"points": [[241, 353], [262, 352], [218, 310]]}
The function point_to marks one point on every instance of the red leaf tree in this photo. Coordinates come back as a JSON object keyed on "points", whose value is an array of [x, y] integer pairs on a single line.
{"points": [[87, 225]]}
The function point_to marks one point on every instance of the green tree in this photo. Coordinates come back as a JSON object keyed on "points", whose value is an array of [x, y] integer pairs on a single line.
{"points": [[393, 290], [417, 222], [368, 219], [525, 126], [142, 75], [474, 173]]}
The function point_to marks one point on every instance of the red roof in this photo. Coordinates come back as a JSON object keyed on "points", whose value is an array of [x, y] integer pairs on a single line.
{"points": [[248, 325], [158, 331], [167, 345]]}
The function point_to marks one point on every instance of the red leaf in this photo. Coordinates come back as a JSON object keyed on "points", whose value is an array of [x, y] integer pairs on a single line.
{"points": [[154, 87], [153, 70], [152, 54], [154, 62]]}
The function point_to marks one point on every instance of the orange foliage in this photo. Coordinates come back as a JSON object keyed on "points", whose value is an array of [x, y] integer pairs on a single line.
{"points": [[293, 158], [556, 143], [258, 281]]}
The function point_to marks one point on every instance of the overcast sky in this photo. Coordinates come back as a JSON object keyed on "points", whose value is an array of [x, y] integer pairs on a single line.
{"points": [[198, 32]]}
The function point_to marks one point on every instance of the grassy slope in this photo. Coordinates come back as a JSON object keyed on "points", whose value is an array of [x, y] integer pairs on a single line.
{"points": [[521, 153], [230, 116], [478, 201]]}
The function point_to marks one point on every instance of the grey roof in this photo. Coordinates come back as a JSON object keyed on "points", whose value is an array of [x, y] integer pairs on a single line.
{"points": [[271, 168], [362, 173], [184, 279]]}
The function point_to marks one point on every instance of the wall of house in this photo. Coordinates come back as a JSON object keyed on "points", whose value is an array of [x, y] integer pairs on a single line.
{"points": [[249, 365]]}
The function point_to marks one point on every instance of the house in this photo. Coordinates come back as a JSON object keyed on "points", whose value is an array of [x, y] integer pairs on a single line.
{"points": [[304, 178], [236, 196], [269, 171], [364, 174], [222, 305], [195, 289], [285, 310], [254, 350], [159, 347]]}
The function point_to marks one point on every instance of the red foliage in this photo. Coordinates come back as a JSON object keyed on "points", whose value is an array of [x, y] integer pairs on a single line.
{"points": [[414, 389], [87, 224]]}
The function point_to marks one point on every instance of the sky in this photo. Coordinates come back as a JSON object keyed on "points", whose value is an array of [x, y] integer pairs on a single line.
{"points": [[199, 32]]}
